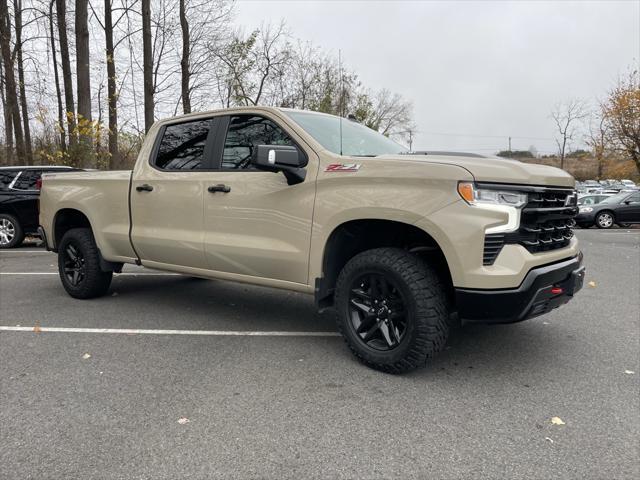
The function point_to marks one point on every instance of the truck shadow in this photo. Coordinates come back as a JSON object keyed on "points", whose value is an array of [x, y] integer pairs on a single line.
{"points": [[218, 305]]}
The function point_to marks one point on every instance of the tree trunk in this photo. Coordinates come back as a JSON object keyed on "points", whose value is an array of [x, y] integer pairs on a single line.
{"points": [[63, 142], [184, 62], [147, 65], [112, 99], [66, 73], [8, 141], [84, 83], [10, 80], [17, 7]]}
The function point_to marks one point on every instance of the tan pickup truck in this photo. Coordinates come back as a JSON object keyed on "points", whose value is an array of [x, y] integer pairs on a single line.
{"points": [[400, 244]]}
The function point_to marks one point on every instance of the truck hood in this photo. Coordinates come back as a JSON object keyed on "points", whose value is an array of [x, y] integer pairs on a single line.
{"points": [[494, 169]]}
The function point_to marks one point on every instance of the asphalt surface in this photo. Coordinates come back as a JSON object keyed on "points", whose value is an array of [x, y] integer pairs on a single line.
{"points": [[303, 407]]}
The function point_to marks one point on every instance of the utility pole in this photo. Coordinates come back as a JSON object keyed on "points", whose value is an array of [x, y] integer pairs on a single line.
{"points": [[509, 144]]}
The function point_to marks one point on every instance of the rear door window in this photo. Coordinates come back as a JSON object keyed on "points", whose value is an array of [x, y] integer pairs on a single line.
{"points": [[182, 147], [27, 180]]}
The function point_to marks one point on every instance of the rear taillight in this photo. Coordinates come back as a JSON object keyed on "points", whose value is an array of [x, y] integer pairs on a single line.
{"points": [[39, 184]]}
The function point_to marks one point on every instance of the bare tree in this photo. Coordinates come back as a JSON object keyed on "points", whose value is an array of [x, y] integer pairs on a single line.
{"points": [[17, 12], [8, 116], [66, 72], [597, 139], [566, 116], [112, 96], [184, 61], [147, 65], [63, 143], [83, 79], [10, 81]]}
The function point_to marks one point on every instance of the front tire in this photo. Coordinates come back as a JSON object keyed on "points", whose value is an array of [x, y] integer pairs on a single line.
{"points": [[392, 309], [605, 220], [11, 233], [79, 265]]}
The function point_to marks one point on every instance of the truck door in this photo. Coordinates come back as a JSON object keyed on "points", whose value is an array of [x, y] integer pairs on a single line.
{"points": [[255, 223], [167, 195]]}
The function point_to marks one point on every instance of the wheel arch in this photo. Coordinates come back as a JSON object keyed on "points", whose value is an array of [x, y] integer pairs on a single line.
{"points": [[358, 235], [64, 220]]}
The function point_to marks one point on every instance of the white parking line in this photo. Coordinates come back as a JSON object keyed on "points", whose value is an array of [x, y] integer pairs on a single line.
{"points": [[117, 274], [24, 251], [221, 333]]}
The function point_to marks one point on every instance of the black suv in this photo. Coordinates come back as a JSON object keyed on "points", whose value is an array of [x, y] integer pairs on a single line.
{"points": [[19, 192]]}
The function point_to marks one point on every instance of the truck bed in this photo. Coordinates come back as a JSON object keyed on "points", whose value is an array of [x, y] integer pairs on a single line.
{"points": [[103, 198]]}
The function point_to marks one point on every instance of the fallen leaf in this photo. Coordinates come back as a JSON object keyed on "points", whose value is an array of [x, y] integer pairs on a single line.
{"points": [[557, 421], [183, 420], [86, 356], [37, 329], [629, 372], [592, 284], [548, 439]]}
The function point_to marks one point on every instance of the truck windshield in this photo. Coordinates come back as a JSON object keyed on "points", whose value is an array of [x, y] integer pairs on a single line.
{"points": [[357, 140]]}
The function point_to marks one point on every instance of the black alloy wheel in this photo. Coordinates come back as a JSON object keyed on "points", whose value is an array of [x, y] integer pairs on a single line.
{"points": [[377, 311], [74, 264]]}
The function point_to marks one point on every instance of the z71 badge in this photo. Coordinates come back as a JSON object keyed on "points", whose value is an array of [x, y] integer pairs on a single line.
{"points": [[343, 167]]}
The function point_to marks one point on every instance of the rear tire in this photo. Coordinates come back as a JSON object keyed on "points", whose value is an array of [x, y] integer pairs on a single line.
{"points": [[79, 265], [11, 233], [397, 327], [605, 219]]}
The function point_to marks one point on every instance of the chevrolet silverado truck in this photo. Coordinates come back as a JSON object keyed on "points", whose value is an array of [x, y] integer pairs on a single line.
{"points": [[402, 245]]}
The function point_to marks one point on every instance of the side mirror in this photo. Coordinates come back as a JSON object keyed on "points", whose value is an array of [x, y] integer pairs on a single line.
{"points": [[281, 158]]}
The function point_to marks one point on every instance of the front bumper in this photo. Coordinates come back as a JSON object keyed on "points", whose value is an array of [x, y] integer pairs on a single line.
{"points": [[543, 289]]}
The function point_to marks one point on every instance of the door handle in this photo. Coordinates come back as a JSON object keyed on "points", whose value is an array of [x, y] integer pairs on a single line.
{"points": [[221, 187], [144, 188]]}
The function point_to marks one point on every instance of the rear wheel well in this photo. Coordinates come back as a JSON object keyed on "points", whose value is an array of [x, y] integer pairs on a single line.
{"points": [[356, 236], [65, 220]]}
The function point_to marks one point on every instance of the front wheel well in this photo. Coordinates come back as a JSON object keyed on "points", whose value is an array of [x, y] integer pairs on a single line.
{"points": [[65, 220], [356, 236]]}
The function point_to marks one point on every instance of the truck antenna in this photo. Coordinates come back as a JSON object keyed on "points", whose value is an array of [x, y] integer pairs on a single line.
{"points": [[341, 106]]}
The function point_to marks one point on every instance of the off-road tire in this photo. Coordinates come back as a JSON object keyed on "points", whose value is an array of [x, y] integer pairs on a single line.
{"points": [[95, 282], [427, 327], [599, 219], [18, 235]]}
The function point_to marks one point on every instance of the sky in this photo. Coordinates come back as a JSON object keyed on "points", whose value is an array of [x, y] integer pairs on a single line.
{"points": [[477, 72]]}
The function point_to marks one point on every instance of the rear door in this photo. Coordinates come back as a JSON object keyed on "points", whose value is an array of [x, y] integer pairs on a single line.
{"points": [[25, 194], [167, 195], [629, 209]]}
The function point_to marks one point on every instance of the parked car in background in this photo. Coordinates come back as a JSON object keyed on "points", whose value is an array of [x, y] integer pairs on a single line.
{"points": [[592, 199], [621, 209], [19, 193]]}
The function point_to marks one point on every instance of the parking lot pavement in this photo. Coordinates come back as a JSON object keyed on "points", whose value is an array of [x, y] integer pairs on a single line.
{"points": [[303, 407]]}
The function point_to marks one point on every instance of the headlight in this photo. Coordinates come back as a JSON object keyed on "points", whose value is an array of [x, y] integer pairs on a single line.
{"points": [[585, 209], [484, 196]]}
